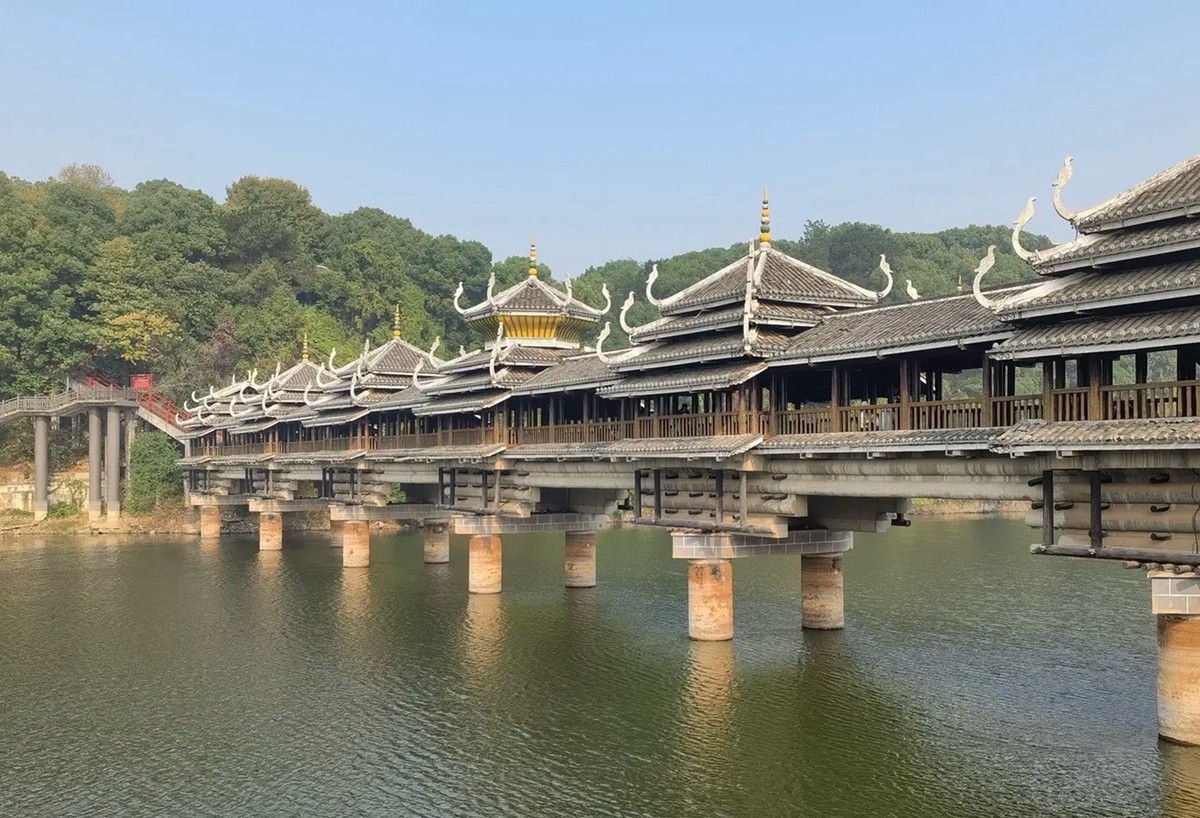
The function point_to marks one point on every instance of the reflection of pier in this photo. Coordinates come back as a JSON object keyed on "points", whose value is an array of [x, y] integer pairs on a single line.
{"points": [[772, 409]]}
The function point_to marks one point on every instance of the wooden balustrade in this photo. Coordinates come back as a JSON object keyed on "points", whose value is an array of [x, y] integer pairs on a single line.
{"points": [[802, 421], [1011, 410], [1153, 400], [869, 417], [946, 414], [1069, 404]]}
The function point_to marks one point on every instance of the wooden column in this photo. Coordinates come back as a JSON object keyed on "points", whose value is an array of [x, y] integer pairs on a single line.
{"points": [[1048, 389], [905, 383], [989, 383], [1095, 378], [835, 399]]}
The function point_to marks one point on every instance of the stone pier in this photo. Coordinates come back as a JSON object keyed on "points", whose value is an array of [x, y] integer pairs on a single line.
{"points": [[210, 523], [710, 575], [1175, 601], [95, 464], [437, 545], [356, 544], [270, 531], [580, 552], [336, 529], [821, 599], [485, 564], [112, 464], [710, 600], [41, 467]]}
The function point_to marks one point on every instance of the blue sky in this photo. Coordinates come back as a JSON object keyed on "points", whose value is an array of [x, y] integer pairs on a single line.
{"points": [[612, 129]]}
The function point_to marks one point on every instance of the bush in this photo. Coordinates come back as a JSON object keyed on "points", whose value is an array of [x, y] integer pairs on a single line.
{"points": [[61, 510], [154, 478]]}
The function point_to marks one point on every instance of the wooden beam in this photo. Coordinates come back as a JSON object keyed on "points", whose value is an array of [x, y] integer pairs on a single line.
{"points": [[1095, 531], [1048, 508]]}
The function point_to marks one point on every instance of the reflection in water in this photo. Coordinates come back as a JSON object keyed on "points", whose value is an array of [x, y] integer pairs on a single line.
{"points": [[482, 636], [706, 701], [972, 680], [1180, 780]]}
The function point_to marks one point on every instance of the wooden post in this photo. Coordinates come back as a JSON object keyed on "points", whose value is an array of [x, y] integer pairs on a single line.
{"points": [[720, 498], [1095, 378], [835, 422], [657, 495], [637, 494], [1095, 531], [1048, 367], [985, 417], [905, 383]]}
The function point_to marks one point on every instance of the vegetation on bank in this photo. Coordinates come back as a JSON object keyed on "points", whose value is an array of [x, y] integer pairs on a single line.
{"points": [[154, 476], [163, 279]]}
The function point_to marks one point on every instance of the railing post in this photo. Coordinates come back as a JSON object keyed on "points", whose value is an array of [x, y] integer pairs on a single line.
{"points": [[1048, 412], [985, 410]]}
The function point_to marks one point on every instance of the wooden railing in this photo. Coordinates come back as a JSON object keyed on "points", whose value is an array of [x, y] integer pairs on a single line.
{"points": [[701, 425], [802, 421], [1156, 400], [1069, 404], [1011, 410], [946, 414], [869, 417]]}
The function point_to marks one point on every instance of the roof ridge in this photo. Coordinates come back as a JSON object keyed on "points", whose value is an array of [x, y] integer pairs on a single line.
{"points": [[1173, 172]]}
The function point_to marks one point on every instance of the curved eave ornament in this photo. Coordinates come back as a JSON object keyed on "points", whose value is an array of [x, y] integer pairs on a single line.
{"points": [[1023, 219], [604, 333], [625, 325], [886, 269], [985, 264], [1060, 181], [650, 286], [495, 353]]}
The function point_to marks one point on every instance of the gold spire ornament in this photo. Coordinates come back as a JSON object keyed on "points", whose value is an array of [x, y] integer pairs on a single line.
{"points": [[532, 256], [396, 322], [304, 347], [764, 230]]}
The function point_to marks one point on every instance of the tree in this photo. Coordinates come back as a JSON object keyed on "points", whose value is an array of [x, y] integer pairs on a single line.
{"points": [[154, 476], [84, 174], [270, 218]]}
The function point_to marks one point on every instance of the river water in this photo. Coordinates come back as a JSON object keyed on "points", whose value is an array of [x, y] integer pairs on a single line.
{"points": [[162, 677]]}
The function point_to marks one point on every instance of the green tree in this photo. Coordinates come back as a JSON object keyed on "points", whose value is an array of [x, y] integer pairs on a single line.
{"points": [[154, 478]]}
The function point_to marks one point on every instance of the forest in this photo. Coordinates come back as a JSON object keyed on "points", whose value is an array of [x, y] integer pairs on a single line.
{"points": [[166, 280]]}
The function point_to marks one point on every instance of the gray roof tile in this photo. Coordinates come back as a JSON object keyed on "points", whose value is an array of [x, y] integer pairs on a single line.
{"points": [[1116, 288], [1156, 433], [691, 379], [1092, 249], [1113, 331], [1163, 195]]}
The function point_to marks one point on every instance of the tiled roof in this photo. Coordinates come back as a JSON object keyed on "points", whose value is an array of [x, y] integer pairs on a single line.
{"points": [[692, 379], [513, 355], [532, 295], [880, 441], [296, 378], [505, 377], [716, 347], [1107, 288], [573, 373], [780, 278], [1091, 249], [334, 418], [926, 323], [764, 313], [476, 452], [1174, 192], [396, 357], [717, 446], [474, 402], [257, 426], [1156, 433], [1113, 331]]}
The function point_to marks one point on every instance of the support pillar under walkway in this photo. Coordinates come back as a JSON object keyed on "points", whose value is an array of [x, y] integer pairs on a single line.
{"points": [[1175, 601], [112, 465], [710, 575], [210, 523], [95, 464], [270, 531], [356, 544], [437, 544], [821, 598], [41, 467], [580, 558]]}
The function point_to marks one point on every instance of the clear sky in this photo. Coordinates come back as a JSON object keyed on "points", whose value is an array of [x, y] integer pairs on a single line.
{"points": [[612, 129]]}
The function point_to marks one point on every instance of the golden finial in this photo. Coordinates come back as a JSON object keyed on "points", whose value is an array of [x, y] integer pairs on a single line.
{"points": [[960, 284], [532, 256], [396, 322], [304, 347], [764, 231]]}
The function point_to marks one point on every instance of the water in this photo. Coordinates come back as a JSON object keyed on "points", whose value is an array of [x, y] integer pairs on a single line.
{"points": [[169, 678]]}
